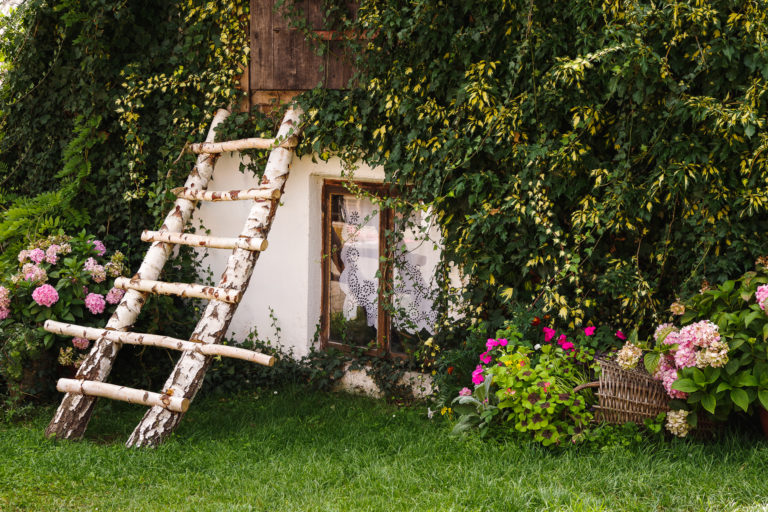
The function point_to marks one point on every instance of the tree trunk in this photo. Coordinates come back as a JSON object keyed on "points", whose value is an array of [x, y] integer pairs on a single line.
{"points": [[74, 412], [187, 377]]}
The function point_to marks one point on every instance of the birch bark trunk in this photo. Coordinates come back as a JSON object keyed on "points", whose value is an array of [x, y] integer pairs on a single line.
{"points": [[74, 412], [187, 377]]}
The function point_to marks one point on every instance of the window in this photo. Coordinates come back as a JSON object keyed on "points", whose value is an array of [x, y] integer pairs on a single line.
{"points": [[358, 280]]}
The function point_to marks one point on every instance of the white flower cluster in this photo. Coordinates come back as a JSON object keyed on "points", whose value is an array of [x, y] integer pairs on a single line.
{"points": [[629, 356], [677, 423]]}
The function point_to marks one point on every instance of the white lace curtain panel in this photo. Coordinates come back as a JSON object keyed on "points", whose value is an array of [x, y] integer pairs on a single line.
{"points": [[360, 256]]}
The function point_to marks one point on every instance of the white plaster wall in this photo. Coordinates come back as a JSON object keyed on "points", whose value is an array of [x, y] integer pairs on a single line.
{"points": [[287, 277]]}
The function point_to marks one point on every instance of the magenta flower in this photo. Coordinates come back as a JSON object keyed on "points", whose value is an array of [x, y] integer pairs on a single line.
{"points": [[561, 340], [589, 331], [477, 375], [548, 333], [95, 303], [502, 342], [465, 392], [621, 335], [567, 345], [490, 343], [45, 295], [485, 357]]}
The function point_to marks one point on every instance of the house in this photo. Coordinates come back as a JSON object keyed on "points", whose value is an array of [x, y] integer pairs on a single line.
{"points": [[318, 280]]}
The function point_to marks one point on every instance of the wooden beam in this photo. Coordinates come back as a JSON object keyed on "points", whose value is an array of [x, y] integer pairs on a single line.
{"points": [[240, 145], [198, 291], [154, 340], [125, 394], [226, 195], [214, 242]]}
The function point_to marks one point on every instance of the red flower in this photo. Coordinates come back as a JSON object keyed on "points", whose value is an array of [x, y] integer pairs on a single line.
{"points": [[450, 370], [536, 321]]}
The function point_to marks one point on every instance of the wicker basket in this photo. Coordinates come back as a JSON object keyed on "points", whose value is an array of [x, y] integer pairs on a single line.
{"points": [[633, 395], [627, 395]]}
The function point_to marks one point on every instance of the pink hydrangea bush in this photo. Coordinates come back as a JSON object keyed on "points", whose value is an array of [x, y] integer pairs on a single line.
{"points": [[54, 277]]}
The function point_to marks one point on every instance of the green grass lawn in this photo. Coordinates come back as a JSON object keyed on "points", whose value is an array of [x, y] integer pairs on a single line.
{"points": [[302, 450]]}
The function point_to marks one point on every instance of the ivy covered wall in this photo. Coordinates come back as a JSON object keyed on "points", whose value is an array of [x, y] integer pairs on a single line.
{"points": [[596, 159]]}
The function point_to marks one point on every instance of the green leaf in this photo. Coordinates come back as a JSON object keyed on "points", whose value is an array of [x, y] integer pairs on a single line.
{"points": [[686, 385], [727, 286], [708, 402], [740, 398], [651, 361], [698, 377], [762, 395], [723, 386], [744, 379], [751, 317]]}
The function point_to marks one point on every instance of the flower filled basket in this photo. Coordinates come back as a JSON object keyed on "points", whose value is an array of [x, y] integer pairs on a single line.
{"points": [[627, 395]]}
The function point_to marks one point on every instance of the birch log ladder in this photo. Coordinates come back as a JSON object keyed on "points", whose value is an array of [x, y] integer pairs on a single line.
{"points": [[168, 406]]}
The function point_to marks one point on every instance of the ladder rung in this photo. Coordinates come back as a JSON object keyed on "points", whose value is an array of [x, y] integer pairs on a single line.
{"points": [[134, 396], [215, 242], [239, 145], [181, 289], [154, 340], [226, 195]]}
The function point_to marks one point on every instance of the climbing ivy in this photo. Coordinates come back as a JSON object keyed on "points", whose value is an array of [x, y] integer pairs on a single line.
{"points": [[114, 89], [595, 159]]}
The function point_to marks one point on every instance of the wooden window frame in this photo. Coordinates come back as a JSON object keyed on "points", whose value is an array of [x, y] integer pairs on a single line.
{"points": [[386, 224]]}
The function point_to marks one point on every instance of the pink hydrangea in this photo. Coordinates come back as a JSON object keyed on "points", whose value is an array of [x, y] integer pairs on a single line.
{"points": [[99, 246], [673, 338], [5, 303], [477, 375], [37, 255], [663, 329], [80, 343], [700, 334], [548, 333], [95, 303], [52, 254], [685, 357], [98, 272], [45, 295], [34, 273], [23, 255], [762, 295], [465, 392], [114, 295]]}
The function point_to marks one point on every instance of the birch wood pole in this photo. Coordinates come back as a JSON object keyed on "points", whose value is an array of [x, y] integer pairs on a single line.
{"points": [[72, 416], [187, 377]]}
